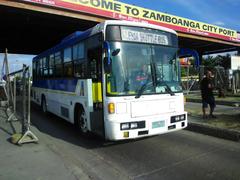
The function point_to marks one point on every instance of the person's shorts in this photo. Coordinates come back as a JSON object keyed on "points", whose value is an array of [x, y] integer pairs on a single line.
{"points": [[210, 101]]}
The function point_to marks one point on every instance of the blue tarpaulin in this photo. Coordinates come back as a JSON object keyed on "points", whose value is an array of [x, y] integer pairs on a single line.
{"points": [[190, 52]]}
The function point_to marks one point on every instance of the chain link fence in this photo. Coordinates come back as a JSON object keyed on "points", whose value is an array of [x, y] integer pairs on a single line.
{"points": [[224, 80], [236, 81]]}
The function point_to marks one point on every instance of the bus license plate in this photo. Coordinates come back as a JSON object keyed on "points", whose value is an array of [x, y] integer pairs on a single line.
{"points": [[158, 124]]}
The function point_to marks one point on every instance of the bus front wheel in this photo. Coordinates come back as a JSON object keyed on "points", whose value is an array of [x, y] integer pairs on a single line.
{"points": [[81, 120]]}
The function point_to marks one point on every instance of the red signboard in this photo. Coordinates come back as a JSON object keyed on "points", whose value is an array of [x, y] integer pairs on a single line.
{"points": [[117, 10]]}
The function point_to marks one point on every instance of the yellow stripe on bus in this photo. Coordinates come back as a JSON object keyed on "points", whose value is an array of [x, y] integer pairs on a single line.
{"points": [[97, 92]]}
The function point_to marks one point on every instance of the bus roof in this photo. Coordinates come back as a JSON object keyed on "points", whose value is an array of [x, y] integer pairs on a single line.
{"points": [[138, 24], [80, 35]]}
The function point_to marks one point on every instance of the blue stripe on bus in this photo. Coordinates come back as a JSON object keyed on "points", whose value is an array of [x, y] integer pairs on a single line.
{"points": [[65, 43], [68, 85]]}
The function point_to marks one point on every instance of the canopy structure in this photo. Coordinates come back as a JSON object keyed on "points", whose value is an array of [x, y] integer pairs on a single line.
{"points": [[30, 26]]}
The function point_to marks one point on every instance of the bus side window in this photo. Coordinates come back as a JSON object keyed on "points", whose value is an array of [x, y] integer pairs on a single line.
{"points": [[68, 65], [79, 62], [80, 69], [40, 68], [45, 67], [37, 69], [93, 65], [58, 65], [94, 56], [34, 70], [94, 60], [51, 65]]}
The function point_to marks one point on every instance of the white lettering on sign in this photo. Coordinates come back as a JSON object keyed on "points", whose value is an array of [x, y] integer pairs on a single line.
{"points": [[137, 36]]}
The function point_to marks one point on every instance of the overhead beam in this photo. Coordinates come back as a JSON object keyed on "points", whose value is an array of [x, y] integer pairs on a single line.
{"points": [[220, 51], [50, 10], [84, 16], [208, 39]]}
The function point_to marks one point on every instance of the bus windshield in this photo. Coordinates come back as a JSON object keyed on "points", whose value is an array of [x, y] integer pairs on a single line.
{"points": [[135, 65]]}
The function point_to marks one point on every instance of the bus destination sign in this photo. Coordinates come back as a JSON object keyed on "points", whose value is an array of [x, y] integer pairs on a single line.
{"points": [[143, 37]]}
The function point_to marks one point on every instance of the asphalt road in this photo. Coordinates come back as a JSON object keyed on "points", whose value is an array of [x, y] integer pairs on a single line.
{"points": [[178, 155]]}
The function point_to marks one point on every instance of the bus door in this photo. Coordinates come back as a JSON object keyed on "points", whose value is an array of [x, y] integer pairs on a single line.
{"points": [[95, 71]]}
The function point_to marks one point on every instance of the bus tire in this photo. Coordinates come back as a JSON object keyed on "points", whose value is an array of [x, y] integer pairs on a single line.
{"points": [[81, 120], [44, 105]]}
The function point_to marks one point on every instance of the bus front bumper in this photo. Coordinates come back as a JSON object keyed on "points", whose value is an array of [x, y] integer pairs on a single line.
{"points": [[133, 129]]}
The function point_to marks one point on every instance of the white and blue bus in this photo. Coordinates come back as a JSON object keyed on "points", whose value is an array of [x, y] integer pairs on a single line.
{"points": [[119, 79]]}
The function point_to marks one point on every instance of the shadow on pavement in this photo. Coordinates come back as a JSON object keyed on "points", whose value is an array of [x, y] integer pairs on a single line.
{"points": [[59, 128], [5, 126]]}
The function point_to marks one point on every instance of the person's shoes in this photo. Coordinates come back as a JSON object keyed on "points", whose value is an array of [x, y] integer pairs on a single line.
{"points": [[204, 116], [212, 116]]}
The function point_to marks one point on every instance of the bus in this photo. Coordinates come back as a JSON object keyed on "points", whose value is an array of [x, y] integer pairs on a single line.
{"points": [[119, 80]]}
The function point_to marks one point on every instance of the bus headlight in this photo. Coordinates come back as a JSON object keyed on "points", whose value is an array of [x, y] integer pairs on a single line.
{"points": [[178, 118], [134, 125], [182, 117], [125, 126]]}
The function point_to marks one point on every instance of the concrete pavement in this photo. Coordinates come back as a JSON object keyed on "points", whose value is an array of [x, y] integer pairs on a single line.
{"points": [[63, 154], [31, 161], [226, 125]]}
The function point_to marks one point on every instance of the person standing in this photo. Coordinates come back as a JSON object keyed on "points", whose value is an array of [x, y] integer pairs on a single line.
{"points": [[207, 87]]}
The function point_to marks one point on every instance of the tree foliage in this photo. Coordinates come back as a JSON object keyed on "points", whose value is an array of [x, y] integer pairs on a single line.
{"points": [[219, 60]]}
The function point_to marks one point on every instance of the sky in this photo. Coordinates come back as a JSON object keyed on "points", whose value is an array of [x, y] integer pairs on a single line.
{"points": [[224, 13], [16, 61]]}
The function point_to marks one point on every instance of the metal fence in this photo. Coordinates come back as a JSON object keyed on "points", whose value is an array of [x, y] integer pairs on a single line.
{"points": [[21, 86], [236, 81], [224, 80], [190, 78], [15, 91]]}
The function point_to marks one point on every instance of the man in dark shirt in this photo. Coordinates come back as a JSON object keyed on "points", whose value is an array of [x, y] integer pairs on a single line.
{"points": [[207, 87], [143, 75]]}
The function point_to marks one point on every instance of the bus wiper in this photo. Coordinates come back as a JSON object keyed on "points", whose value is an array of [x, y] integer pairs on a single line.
{"points": [[168, 89], [142, 88]]}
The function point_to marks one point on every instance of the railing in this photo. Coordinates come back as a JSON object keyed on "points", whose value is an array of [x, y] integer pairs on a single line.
{"points": [[17, 90]]}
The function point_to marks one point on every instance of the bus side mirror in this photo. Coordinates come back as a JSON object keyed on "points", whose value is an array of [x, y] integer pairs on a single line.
{"points": [[107, 65], [107, 62]]}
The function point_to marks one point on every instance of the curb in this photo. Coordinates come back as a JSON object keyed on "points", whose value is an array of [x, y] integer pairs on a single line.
{"points": [[213, 131], [226, 103]]}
